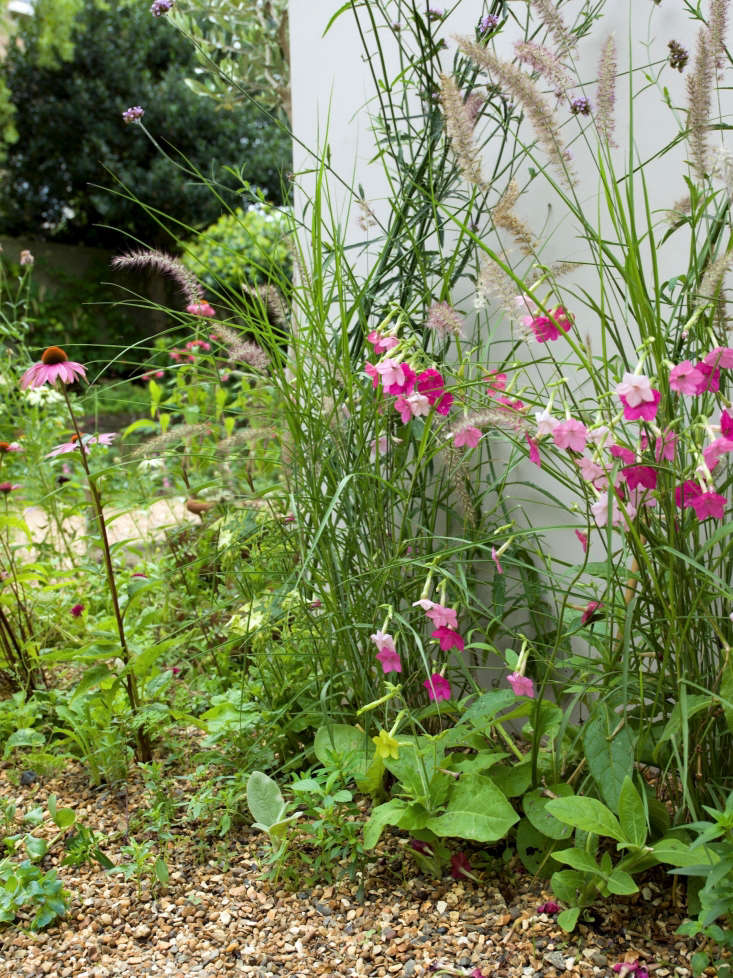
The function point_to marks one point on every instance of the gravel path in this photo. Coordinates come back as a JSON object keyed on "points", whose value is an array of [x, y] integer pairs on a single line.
{"points": [[218, 918]]}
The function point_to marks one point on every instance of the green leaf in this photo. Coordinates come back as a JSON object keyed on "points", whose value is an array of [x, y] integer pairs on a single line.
{"points": [[476, 809], [535, 808], [621, 883], [25, 737], [387, 814], [579, 859], [675, 852], [568, 918], [264, 799], [36, 848], [726, 692], [161, 871], [567, 884], [64, 817], [343, 748], [513, 781], [587, 814], [631, 814], [532, 848], [483, 710], [609, 749], [683, 710]]}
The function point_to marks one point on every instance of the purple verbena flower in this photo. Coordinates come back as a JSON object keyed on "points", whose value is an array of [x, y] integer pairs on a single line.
{"points": [[160, 7], [133, 114], [487, 24], [580, 105]]}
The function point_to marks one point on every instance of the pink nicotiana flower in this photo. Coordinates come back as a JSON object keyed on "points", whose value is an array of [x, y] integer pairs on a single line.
{"points": [[371, 371], [391, 373], [430, 383], [71, 446], [448, 638], [666, 446], [201, 309], [495, 558], [546, 424], [198, 345], [54, 365], [459, 865], [378, 446], [710, 378], [589, 612], [551, 327], [712, 453], [583, 537], [708, 505], [390, 660], [526, 306], [721, 356], [645, 411], [685, 493], [438, 687], [534, 450], [570, 434], [522, 685], [514, 404], [495, 383], [640, 475], [425, 603], [467, 437], [382, 343], [598, 435], [622, 453], [592, 472], [76, 610], [685, 378], [630, 969], [442, 617], [412, 406], [383, 640], [726, 424]]}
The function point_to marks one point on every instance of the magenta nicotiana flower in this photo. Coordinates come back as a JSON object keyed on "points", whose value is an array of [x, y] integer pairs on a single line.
{"points": [[589, 612], [534, 450], [495, 383], [645, 411], [448, 638], [387, 654], [430, 383], [522, 685], [710, 378], [467, 437], [708, 505], [53, 366], [570, 434], [71, 446], [460, 866], [721, 356], [202, 308], [685, 493], [438, 687], [685, 378], [621, 452], [133, 114], [583, 537], [550, 907], [640, 475], [551, 327], [726, 424], [76, 610]]}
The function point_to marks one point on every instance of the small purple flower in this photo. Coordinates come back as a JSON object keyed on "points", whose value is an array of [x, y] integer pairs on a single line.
{"points": [[160, 7], [580, 105], [133, 114], [77, 610], [435, 13], [549, 907], [487, 24]]}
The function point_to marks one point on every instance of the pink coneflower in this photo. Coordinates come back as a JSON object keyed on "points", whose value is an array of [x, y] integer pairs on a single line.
{"points": [[6, 487], [70, 446], [54, 365], [10, 446], [201, 308], [76, 610], [438, 687]]}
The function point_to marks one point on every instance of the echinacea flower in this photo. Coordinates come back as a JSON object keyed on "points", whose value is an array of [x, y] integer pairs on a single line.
{"points": [[10, 446], [76, 610], [54, 365], [202, 308], [71, 446], [438, 687], [467, 437], [6, 487], [522, 685], [448, 638]]}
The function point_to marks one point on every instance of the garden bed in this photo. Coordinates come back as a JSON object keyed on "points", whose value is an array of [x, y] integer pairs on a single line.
{"points": [[218, 917]]}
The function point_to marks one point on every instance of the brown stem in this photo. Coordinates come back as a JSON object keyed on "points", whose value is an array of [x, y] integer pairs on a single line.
{"points": [[144, 753]]}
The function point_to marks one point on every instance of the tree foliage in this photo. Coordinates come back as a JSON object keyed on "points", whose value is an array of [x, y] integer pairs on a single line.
{"points": [[73, 143]]}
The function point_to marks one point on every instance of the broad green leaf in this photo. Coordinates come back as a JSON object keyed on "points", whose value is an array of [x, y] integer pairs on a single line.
{"points": [[568, 918], [609, 749], [535, 808], [567, 884], [631, 814], [36, 848], [682, 712], [264, 799], [25, 737], [579, 859], [343, 748], [620, 883], [387, 814], [513, 781], [161, 871], [64, 817], [476, 809], [483, 710], [675, 852], [532, 848], [587, 814]]}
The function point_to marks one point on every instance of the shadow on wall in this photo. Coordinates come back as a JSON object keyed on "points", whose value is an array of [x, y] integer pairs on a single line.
{"points": [[76, 301]]}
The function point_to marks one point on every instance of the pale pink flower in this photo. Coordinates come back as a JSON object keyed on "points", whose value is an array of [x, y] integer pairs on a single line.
{"points": [[425, 603], [721, 356], [413, 406], [53, 365], [600, 510], [468, 437], [522, 685], [570, 434], [383, 640], [526, 307], [598, 435], [438, 688], [546, 424], [201, 308], [382, 343], [590, 470], [685, 378], [442, 616], [635, 389], [71, 446], [666, 446], [495, 558], [712, 453], [378, 446], [390, 372]]}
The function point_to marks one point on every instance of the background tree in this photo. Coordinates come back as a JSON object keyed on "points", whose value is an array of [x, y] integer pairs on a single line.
{"points": [[70, 132]]}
